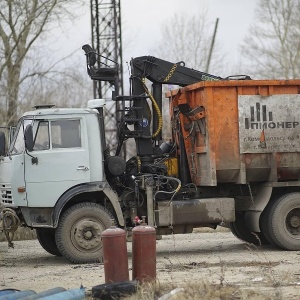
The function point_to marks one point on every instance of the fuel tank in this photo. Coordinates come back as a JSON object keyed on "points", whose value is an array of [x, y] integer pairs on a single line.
{"points": [[197, 212]]}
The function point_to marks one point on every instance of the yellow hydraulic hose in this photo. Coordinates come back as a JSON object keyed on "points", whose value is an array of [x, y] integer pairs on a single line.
{"points": [[160, 121]]}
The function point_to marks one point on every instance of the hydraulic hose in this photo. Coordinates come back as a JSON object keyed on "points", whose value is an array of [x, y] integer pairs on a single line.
{"points": [[160, 120]]}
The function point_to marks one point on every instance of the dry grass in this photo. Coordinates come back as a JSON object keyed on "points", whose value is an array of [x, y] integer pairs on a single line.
{"points": [[203, 289], [193, 291]]}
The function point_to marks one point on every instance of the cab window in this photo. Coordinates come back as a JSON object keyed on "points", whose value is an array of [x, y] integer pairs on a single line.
{"points": [[42, 140], [18, 144], [57, 134], [66, 134]]}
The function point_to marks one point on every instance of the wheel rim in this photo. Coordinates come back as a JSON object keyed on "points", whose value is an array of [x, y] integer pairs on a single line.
{"points": [[292, 223], [86, 234]]}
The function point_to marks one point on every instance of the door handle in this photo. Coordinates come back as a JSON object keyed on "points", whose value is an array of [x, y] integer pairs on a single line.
{"points": [[82, 168]]}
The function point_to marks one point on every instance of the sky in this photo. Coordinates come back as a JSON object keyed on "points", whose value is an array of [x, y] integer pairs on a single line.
{"points": [[145, 18], [142, 21]]}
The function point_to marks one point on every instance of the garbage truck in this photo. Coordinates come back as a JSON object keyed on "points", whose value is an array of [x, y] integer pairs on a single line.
{"points": [[233, 160]]}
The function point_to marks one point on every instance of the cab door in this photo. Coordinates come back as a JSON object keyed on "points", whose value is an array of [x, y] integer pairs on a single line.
{"points": [[58, 162], [15, 159]]}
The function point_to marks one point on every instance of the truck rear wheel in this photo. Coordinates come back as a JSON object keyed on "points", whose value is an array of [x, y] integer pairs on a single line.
{"points": [[240, 230], [78, 235], [282, 222], [46, 238], [263, 223]]}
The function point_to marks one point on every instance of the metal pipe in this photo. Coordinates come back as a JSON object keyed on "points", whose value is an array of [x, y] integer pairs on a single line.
{"points": [[150, 205]]}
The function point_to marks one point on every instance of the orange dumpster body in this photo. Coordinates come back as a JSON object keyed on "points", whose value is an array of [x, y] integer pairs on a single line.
{"points": [[239, 131]]}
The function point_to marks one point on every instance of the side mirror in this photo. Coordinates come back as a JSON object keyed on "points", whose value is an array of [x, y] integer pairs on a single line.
{"points": [[28, 136], [2, 143]]}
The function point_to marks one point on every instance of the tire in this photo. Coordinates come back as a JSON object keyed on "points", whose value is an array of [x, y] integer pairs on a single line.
{"points": [[78, 235], [263, 223], [46, 238], [282, 222], [240, 230]]}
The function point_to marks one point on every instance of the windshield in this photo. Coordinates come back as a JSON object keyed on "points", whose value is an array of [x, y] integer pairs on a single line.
{"points": [[18, 144]]}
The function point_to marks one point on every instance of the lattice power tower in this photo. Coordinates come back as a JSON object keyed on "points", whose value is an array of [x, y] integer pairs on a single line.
{"points": [[107, 41]]}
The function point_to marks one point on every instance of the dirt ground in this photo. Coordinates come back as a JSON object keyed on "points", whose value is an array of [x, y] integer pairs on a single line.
{"points": [[211, 257]]}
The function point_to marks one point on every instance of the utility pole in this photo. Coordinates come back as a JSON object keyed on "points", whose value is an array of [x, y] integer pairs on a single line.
{"points": [[212, 46]]}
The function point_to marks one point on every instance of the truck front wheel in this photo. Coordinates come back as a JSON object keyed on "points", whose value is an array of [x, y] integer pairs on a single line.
{"points": [[282, 222], [78, 235]]}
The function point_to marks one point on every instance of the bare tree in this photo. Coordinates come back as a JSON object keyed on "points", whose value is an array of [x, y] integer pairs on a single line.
{"points": [[272, 46], [189, 40], [22, 23], [66, 87]]}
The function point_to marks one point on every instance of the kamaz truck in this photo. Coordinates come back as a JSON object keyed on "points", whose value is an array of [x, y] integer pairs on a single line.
{"points": [[233, 160]]}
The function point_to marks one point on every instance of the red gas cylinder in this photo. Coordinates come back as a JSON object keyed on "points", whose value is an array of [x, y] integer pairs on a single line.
{"points": [[144, 253], [115, 257]]}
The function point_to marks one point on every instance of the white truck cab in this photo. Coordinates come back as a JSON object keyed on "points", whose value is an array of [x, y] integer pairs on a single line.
{"points": [[55, 161]]}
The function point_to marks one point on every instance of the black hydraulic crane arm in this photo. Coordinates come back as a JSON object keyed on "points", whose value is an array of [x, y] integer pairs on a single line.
{"points": [[161, 71], [154, 69]]}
